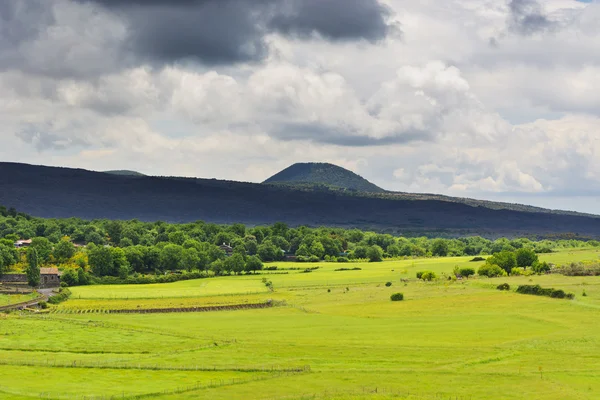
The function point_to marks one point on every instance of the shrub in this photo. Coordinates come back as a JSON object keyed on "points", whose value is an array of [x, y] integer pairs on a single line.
{"points": [[516, 272], [504, 286], [428, 276], [388, 284], [314, 259], [43, 305], [419, 274], [475, 259], [540, 267], [272, 268], [397, 297], [63, 295], [343, 259], [537, 290], [466, 272], [328, 290], [491, 271]]}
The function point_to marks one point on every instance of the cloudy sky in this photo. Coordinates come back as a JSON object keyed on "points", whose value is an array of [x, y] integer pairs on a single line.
{"points": [[494, 99]]}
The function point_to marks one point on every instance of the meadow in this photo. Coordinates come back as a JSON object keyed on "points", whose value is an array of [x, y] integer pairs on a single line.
{"points": [[331, 335]]}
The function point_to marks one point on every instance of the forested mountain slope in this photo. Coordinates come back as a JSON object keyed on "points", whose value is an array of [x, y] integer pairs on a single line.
{"points": [[65, 192]]}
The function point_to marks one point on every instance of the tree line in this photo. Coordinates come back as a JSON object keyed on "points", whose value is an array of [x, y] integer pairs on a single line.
{"points": [[105, 248]]}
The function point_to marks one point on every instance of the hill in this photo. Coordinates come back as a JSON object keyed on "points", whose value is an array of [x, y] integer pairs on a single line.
{"points": [[65, 192], [324, 174], [124, 172]]}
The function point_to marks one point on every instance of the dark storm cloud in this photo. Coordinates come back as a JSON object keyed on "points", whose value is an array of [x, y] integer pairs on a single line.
{"points": [[333, 19], [320, 133], [527, 17], [230, 31]]}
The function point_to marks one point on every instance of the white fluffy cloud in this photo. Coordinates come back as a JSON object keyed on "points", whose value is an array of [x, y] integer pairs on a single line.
{"points": [[464, 102]]}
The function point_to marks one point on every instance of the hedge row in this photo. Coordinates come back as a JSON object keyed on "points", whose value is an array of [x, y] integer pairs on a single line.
{"points": [[537, 290]]}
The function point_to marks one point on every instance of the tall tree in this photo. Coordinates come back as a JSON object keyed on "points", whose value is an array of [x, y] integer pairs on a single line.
{"points": [[33, 268]]}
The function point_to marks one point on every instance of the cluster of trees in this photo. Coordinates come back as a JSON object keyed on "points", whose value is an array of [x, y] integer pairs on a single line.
{"points": [[122, 248], [513, 263]]}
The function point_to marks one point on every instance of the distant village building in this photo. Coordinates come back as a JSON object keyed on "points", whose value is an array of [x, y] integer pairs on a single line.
{"points": [[227, 249], [22, 243], [49, 277]]}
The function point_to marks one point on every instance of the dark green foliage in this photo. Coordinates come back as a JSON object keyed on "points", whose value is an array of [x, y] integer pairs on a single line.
{"points": [[388, 284], [43, 305], [253, 264], [69, 277], [349, 269], [475, 259], [397, 297], [466, 272], [420, 274], [504, 286], [428, 276], [440, 248], [64, 250], [33, 267], [525, 257], [43, 247], [343, 259], [375, 253], [540, 267], [504, 259], [63, 295], [491, 271], [537, 290]]}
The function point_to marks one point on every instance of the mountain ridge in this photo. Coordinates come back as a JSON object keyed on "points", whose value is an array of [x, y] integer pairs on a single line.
{"points": [[56, 192]]}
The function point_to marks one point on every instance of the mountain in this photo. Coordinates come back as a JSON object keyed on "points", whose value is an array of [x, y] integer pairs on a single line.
{"points": [[323, 174], [124, 172], [66, 192]]}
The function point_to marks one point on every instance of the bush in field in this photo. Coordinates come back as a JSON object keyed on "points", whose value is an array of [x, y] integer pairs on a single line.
{"points": [[504, 259], [388, 284], [491, 271], [466, 272], [43, 305], [504, 286], [375, 254], [475, 259], [62, 295], [537, 290], [428, 276], [397, 297], [525, 257], [343, 259], [420, 274], [540, 267], [516, 272]]}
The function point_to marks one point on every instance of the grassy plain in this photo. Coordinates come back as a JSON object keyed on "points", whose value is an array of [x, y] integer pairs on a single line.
{"points": [[459, 340], [7, 299]]}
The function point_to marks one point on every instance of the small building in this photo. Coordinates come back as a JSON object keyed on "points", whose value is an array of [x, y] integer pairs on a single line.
{"points": [[22, 243], [49, 277], [227, 249]]}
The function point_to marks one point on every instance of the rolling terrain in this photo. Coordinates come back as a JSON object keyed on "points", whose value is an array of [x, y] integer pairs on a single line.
{"points": [[64, 192]]}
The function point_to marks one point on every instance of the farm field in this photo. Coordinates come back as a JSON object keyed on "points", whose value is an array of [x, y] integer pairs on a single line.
{"points": [[6, 299], [331, 335]]}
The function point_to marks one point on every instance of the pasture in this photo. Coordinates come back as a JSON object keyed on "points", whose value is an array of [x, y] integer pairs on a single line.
{"points": [[332, 334]]}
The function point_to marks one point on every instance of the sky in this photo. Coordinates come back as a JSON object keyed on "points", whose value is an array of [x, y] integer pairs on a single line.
{"points": [[490, 99]]}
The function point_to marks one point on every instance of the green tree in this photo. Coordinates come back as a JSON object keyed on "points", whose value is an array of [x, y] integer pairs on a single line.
{"points": [[33, 268], [64, 250], [253, 264], [267, 251], [190, 259], [135, 258], [43, 248], [217, 266], [504, 259], [70, 277], [317, 249], [170, 257], [439, 248], [100, 260], [235, 264], [375, 253], [526, 257]]}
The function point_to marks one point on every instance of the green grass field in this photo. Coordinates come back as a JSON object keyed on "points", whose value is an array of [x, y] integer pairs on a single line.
{"points": [[337, 336], [6, 300]]}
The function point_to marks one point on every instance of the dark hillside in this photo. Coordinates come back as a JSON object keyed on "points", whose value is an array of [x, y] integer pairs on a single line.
{"points": [[64, 192], [323, 174]]}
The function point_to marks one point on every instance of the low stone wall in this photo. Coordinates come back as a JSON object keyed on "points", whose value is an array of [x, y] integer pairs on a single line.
{"points": [[13, 278]]}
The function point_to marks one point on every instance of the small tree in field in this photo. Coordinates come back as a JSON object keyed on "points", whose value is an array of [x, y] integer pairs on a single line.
{"points": [[253, 264], [397, 297], [467, 272], [526, 258], [33, 269]]}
